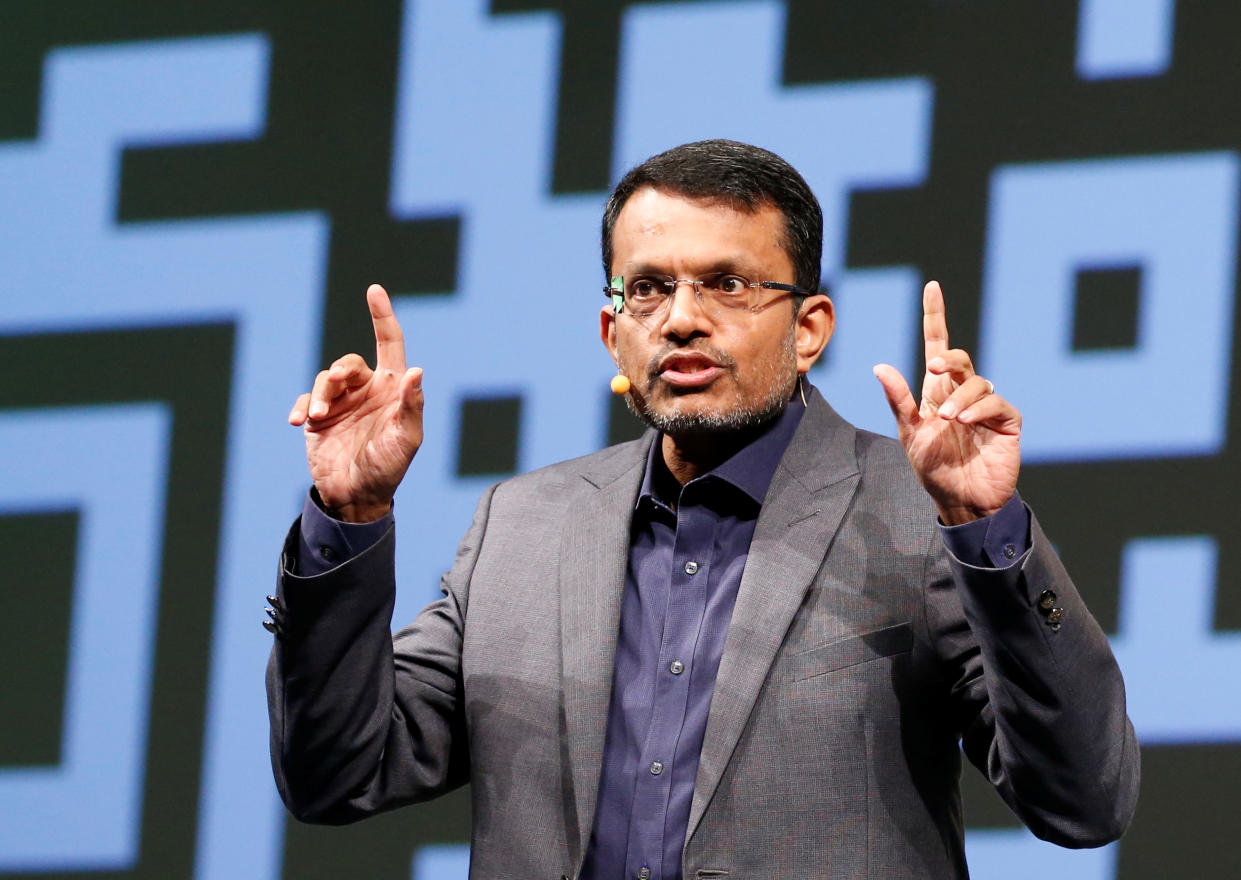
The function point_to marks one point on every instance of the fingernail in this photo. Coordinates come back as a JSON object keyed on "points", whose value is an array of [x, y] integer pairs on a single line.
{"points": [[948, 410], [318, 408], [935, 363], [966, 416]]}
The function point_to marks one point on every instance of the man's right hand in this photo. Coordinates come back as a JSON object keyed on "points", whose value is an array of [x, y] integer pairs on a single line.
{"points": [[363, 426]]}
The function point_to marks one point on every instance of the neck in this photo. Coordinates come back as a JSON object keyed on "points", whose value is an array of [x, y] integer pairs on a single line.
{"points": [[692, 456]]}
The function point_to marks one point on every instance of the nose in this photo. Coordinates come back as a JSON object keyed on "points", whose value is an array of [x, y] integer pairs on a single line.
{"points": [[685, 316]]}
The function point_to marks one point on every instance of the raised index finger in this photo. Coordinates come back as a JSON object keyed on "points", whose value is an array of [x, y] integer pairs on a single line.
{"points": [[389, 340], [934, 321]]}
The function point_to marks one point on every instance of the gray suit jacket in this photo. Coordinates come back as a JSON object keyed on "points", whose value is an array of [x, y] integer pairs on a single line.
{"points": [[859, 655]]}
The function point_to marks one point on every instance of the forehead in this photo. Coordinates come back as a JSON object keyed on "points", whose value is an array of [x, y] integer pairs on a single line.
{"points": [[657, 228]]}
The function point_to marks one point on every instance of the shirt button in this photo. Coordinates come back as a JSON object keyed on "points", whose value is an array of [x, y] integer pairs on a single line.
{"points": [[691, 567], [657, 767], [1009, 551], [644, 873], [327, 552], [676, 667]]}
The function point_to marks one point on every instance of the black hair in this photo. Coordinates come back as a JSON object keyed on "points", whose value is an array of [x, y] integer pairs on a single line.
{"points": [[744, 177]]}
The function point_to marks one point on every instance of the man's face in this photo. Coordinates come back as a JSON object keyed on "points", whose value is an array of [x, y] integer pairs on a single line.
{"points": [[694, 371]]}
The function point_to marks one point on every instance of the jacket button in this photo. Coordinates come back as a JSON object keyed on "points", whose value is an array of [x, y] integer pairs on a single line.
{"points": [[1055, 616], [1046, 600]]}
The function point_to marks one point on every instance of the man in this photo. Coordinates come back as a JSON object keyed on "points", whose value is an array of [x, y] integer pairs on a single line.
{"points": [[740, 646]]}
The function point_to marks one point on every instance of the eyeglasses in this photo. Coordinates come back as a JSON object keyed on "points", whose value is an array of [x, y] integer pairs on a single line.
{"points": [[723, 292]]}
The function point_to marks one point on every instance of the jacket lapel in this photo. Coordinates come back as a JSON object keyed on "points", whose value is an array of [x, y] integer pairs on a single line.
{"points": [[594, 558], [805, 503]]}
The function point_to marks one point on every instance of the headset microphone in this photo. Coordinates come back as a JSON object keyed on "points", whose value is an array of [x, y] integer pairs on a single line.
{"points": [[620, 384]]}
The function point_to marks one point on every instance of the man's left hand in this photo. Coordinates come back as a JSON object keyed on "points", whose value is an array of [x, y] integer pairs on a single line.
{"points": [[964, 440]]}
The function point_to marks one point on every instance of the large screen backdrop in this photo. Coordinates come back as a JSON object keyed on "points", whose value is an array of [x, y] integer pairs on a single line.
{"points": [[194, 196]]}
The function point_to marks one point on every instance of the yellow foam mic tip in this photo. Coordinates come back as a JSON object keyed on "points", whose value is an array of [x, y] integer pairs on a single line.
{"points": [[620, 384]]}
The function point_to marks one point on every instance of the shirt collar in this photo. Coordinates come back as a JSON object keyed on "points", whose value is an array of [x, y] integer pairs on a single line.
{"points": [[750, 469]]}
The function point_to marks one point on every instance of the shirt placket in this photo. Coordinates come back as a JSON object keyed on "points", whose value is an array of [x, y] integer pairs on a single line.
{"points": [[687, 601]]}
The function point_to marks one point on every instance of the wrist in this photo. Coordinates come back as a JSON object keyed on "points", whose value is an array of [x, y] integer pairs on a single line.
{"points": [[958, 515], [360, 513], [357, 512]]}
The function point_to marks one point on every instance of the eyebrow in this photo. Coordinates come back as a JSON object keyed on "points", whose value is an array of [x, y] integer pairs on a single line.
{"points": [[715, 267]]}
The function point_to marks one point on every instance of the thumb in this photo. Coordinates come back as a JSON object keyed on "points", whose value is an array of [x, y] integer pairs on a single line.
{"points": [[409, 410], [900, 400]]}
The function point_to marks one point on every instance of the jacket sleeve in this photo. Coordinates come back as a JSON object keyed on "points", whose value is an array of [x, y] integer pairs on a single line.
{"points": [[361, 721], [1040, 699]]}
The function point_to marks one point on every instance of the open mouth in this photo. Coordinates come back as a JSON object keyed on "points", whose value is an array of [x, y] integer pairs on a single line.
{"points": [[689, 370]]}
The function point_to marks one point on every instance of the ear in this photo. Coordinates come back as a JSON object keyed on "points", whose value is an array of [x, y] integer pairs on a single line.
{"points": [[815, 324], [607, 330]]}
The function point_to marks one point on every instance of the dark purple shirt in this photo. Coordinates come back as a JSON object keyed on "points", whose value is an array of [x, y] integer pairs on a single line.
{"points": [[688, 550], [327, 542]]}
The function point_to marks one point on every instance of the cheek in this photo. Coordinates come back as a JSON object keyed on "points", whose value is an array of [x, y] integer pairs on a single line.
{"points": [[769, 360], [636, 345], [630, 358]]}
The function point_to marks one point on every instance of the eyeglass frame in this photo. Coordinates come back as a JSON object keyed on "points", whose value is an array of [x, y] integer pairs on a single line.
{"points": [[616, 290]]}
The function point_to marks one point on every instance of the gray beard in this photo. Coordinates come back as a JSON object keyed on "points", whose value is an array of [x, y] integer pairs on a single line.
{"points": [[706, 424]]}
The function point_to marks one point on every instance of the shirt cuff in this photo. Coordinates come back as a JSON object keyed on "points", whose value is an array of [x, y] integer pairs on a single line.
{"points": [[326, 542], [995, 541]]}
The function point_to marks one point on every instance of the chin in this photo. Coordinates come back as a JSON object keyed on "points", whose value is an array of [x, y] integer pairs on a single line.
{"points": [[706, 421]]}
